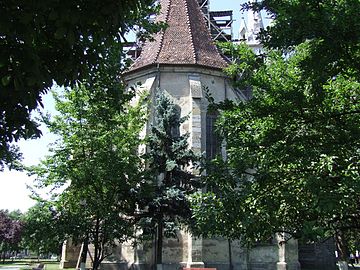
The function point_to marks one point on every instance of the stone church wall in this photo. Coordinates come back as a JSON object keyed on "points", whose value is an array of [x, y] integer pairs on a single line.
{"points": [[188, 87]]}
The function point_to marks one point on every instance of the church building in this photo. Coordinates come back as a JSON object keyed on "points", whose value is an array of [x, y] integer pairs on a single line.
{"points": [[183, 61]]}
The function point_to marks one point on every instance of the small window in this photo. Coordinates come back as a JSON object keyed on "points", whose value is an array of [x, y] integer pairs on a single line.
{"points": [[213, 144]]}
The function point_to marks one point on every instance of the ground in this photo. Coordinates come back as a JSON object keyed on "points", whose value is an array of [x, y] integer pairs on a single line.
{"points": [[28, 264]]}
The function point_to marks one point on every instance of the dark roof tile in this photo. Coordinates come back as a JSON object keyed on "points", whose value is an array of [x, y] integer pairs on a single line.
{"points": [[186, 40]]}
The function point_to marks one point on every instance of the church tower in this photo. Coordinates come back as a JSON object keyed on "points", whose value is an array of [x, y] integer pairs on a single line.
{"points": [[250, 29]]}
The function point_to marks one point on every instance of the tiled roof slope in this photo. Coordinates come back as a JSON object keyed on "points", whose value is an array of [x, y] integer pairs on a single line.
{"points": [[185, 41]]}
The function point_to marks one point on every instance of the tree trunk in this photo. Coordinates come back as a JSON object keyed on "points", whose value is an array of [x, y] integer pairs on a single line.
{"points": [[84, 253], [97, 255], [4, 252], [97, 245], [231, 266], [342, 250], [3, 257], [96, 264]]}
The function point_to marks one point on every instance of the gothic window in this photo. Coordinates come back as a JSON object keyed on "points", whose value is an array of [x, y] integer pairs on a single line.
{"points": [[213, 143]]}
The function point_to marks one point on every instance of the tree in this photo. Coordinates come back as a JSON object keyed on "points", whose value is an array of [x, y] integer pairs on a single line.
{"points": [[331, 67], [293, 149], [5, 224], [46, 42], [10, 232], [43, 232], [330, 27], [96, 157], [170, 165]]}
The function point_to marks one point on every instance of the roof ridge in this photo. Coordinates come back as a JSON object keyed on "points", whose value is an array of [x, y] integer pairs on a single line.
{"points": [[161, 42], [190, 30]]}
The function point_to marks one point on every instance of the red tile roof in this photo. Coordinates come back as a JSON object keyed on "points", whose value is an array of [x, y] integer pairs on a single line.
{"points": [[186, 40]]}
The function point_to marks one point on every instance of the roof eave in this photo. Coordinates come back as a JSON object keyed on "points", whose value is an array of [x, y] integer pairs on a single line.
{"points": [[149, 66]]}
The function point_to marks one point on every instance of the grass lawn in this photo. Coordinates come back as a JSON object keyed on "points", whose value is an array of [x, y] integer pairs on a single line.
{"points": [[27, 264]]}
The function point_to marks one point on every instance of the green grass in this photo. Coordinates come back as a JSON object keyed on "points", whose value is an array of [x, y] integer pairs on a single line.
{"points": [[28, 264], [22, 264]]}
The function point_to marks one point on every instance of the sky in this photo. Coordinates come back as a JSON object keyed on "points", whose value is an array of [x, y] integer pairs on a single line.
{"points": [[14, 193]]}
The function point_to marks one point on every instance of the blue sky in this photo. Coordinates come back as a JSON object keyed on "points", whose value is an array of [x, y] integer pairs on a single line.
{"points": [[14, 193]]}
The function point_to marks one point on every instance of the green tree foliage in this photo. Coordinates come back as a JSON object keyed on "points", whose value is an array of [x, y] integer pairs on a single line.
{"points": [[329, 26], [96, 161], [51, 41], [293, 149], [292, 157], [170, 164], [43, 233]]}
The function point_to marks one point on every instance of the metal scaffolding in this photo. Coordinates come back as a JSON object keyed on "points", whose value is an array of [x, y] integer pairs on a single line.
{"points": [[219, 24], [205, 7]]}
